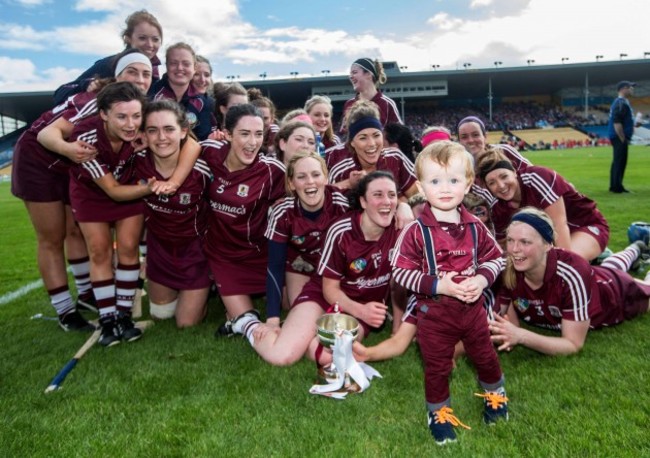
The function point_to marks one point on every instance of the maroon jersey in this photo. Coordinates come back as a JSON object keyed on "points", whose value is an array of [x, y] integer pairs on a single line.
{"points": [[467, 248], [362, 266], [572, 290], [304, 237], [34, 167], [330, 143], [336, 154], [391, 159], [179, 216], [89, 202], [519, 163], [239, 204], [268, 145], [388, 112], [541, 187]]}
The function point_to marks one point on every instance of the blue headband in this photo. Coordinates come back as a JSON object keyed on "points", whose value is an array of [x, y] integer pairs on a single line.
{"points": [[363, 123], [537, 223], [471, 119]]}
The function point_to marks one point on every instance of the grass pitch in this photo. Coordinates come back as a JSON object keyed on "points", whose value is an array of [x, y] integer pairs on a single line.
{"points": [[185, 393]]}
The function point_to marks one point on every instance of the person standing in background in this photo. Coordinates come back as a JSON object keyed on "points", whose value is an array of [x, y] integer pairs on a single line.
{"points": [[620, 129]]}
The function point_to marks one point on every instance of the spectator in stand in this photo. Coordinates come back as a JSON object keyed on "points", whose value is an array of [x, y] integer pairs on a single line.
{"points": [[366, 76], [142, 32], [621, 128]]}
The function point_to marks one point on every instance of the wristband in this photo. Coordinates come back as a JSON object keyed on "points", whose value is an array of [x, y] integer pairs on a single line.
{"points": [[434, 287]]}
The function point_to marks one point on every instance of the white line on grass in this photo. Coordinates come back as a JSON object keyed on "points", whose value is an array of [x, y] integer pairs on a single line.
{"points": [[6, 298]]}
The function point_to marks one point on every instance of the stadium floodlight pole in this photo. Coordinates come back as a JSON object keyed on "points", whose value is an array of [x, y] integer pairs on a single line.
{"points": [[294, 74], [530, 61], [263, 75], [467, 65], [564, 59], [404, 68], [598, 57], [325, 72], [646, 54], [435, 67], [497, 63], [622, 55]]}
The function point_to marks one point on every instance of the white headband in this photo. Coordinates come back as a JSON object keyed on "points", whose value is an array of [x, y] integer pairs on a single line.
{"points": [[132, 58]]}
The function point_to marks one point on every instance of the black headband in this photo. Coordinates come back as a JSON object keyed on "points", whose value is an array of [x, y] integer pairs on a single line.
{"points": [[502, 164], [368, 65], [537, 223]]}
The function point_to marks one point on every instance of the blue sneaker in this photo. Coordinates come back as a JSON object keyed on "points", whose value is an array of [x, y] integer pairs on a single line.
{"points": [[441, 425], [496, 406]]}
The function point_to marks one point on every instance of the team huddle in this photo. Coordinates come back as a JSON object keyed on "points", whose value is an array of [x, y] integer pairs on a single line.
{"points": [[462, 239]]}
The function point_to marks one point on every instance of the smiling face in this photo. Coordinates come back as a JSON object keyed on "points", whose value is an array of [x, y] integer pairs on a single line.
{"points": [[163, 133], [301, 139], [526, 248], [202, 77], [379, 202], [367, 144], [360, 78], [146, 38], [444, 187], [138, 74], [321, 117], [503, 184], [308, 183], [471, 137], [180, 66], [246, 140], [122, 121]]}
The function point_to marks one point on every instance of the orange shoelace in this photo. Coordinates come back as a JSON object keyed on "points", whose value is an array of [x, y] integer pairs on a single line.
{"points": [[495, 400], [446, 415]]}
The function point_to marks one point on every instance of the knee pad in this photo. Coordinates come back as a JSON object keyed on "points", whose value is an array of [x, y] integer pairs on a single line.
{"points": [[162, 311], [639, 231]]}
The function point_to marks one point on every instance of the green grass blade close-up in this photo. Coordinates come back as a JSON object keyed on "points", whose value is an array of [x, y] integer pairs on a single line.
{"points": [[187, 393]]}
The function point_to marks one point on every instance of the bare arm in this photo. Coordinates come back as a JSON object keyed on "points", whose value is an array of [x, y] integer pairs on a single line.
{"points": [[557, 212], [618, 128], [372, 313], [121, 192], [507, 334], [389, 348], [54, 138]]}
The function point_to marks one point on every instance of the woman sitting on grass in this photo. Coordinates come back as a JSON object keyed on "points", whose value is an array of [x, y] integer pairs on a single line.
{"points": [[551, 288]]}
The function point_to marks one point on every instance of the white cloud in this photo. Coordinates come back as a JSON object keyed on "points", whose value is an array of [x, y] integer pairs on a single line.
{"points": [[479, 3], [21, 75]]}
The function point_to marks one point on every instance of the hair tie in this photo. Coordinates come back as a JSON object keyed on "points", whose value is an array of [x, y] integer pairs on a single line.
{"points": [[131, 58], [502, 164], [363, 123], [435, 136], [542, 227]]}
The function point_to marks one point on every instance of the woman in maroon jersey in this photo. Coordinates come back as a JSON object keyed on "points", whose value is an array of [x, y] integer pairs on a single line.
{"points": [[293, 137], [364, 152], [580, 227], [111, 133], [551, 288], [267, 108], [319, 108], [245, 186], [40, 177], [143, 33], [366, 76], [354, 273], [177, 269]]}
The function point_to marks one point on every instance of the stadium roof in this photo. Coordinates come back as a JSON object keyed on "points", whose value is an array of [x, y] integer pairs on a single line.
{"points": [[466, 83]]}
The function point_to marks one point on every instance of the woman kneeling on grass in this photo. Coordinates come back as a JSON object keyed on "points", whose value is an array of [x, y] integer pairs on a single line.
{"points": [[552, 288], [354, 272]]}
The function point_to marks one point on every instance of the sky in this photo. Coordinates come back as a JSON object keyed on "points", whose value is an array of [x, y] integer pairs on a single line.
{"points": [[44, 43]]}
